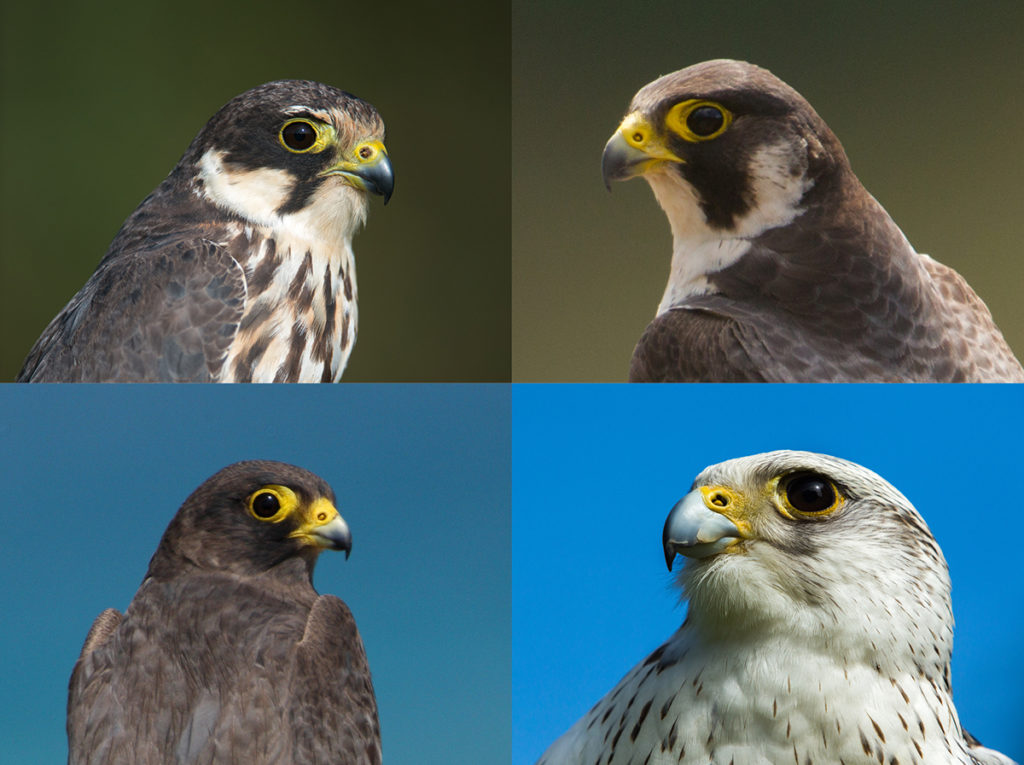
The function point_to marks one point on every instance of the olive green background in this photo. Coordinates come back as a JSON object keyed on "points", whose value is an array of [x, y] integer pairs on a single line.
{"points": [[926, 97], [99, 100]]}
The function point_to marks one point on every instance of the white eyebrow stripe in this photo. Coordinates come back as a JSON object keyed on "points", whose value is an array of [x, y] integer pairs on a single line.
{"points": [[300, 109]]}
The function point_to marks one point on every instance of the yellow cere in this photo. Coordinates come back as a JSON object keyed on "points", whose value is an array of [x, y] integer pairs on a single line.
{"points": [[317, 514], [369, 151], [637, 132], [678, 114], [728, 502], [285, 496], [325, 136], [364, 154]]}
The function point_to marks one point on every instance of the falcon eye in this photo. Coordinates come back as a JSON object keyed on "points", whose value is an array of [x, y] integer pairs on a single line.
{"points": [[265, 505], [299, 136], [705, 120], [696, 120], [272, 503], [811, 494]]}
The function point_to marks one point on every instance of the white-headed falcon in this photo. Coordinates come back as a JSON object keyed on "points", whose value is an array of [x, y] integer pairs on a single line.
{"points": [[226, 653], [239, 266], [784, 268], [819, 631]]}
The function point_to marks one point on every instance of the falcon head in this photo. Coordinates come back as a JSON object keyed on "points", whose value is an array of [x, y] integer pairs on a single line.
{"points": [[728, 149], [292, 152], [816, 549], [251, 517]]}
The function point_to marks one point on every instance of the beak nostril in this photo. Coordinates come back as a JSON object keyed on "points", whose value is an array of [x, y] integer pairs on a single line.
{"points": [[321, 516], [366, 152]]}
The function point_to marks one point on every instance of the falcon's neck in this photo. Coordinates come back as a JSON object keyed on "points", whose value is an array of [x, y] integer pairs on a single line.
{"points": [[700, 249], [300, 318]]}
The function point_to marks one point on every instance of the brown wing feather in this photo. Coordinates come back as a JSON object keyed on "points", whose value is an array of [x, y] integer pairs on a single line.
{"points": [[175, 309], [333, 708]]}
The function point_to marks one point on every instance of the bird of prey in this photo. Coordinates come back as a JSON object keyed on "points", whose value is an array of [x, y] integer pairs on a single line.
{"points": [[239, 266], [784, 268], [819, 630], [226, 653]]}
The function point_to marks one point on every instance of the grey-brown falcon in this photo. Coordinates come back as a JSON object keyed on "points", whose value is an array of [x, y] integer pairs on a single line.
{"points": [[239, 266], [784, 268], [819, 631], [226, 653]]}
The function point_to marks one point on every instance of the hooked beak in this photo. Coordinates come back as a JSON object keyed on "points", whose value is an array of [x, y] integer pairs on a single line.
{"points": [[696, 531], [368, 168], [325, 528], [633, 150]]}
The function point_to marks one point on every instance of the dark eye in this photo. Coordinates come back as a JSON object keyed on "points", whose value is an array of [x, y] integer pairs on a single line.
{"points": [[705, 120], [810, 493], [298, 136], [265, 505]]}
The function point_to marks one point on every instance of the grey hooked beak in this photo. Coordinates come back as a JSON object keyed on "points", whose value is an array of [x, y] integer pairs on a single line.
{"points": [[367, 167], [621, 161], [333, 535], [379, 177], [694, 530]]}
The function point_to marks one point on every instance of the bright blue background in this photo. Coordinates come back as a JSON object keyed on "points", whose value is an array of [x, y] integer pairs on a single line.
{"points": [[597, 469], [93, 474]]}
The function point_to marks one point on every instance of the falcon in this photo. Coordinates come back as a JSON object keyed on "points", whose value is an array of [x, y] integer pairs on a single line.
{"points": [[784, 268], [226, 653], [819, 629], [239, 266]]}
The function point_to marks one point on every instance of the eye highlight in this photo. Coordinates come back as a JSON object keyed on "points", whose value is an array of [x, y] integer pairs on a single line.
{"points": [[302, 137], [809, 494], [697, 120], [272, 503]]}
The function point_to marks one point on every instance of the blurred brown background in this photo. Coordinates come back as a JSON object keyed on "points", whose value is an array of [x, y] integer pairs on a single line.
{"points": [[99, 100], [926, 97]]}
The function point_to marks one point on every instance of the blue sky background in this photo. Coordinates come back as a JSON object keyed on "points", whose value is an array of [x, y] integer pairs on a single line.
{"points": [[596, 470], [95, 473]]}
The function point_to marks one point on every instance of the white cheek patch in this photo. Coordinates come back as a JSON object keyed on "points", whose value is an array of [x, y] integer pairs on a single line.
{"points": [[253, 194], [778, 176]]}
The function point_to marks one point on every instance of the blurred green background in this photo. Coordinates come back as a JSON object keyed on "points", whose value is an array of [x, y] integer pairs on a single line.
{"points": [[99, 100], [926, 97]]}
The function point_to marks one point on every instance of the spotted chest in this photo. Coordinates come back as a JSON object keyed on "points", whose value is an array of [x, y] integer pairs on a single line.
{"points": [[300, 317], [685, 705]]}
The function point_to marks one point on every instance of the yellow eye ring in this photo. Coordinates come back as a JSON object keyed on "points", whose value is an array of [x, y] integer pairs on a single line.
{"points": [[807, 495], [271, 503], [302, 136], [698, 120]]}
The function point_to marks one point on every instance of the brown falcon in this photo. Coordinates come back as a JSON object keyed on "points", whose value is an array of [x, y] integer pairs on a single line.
{"points": [[819, 630], [239, 266], [784, 268], [226, 653]]}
